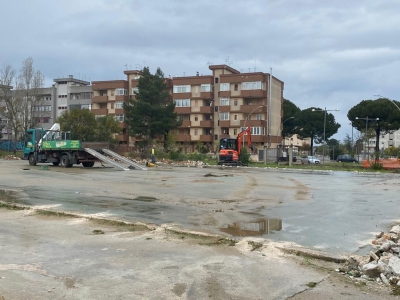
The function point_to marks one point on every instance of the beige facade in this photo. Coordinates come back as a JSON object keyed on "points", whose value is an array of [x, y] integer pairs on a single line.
{"points": [[210, 107]]}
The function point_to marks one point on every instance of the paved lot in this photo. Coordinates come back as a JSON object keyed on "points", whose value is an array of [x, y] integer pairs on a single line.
{"points": [[57, 258]]}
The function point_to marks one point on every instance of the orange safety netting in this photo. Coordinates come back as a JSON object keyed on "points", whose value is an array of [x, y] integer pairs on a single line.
{"points": [[391, 163]]}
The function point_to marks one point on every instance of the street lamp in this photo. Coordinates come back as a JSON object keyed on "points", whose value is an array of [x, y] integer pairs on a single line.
{"points": [[280, 130], [389, 100], [366, 129], [244, 125], [324, 110]]}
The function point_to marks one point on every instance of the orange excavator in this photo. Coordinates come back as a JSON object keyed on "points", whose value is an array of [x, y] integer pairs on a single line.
{"points": [[229, 149]]}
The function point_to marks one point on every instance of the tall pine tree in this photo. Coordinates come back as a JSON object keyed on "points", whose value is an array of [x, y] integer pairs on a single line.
{"points": [[152, 115]]}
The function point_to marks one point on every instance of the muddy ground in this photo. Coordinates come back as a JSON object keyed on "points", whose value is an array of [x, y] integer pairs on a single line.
{"points": [[246, 215]]}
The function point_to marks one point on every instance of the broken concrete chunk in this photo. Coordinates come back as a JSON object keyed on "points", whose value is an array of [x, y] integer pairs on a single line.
{"points": [[371, 269], [379, 235], [385, 247], [374, 256], [395, 229], [394, 263], [384, 268]]}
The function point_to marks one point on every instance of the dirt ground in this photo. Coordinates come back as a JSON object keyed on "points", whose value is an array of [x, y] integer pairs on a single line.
{"points": [[88, 253]]}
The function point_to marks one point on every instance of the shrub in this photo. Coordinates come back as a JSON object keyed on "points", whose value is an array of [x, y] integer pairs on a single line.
{"points": [[244, 156], [376, 166]]}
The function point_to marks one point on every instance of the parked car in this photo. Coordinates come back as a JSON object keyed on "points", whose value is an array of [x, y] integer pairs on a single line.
{"points": [[310, 160], [294, 159], [346, 158]]}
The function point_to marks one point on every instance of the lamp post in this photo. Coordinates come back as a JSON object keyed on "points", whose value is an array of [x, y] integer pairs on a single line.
{"points": [[280, 130], [324, 110], [244, 125], [352, 141], [366, 130], [389, 100]]}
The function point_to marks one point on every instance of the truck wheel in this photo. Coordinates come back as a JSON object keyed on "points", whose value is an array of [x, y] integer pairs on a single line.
{"points": [[32, 160], [88, 164], [64, 161]]}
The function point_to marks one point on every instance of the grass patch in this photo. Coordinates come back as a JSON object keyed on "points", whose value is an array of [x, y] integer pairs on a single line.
{"points": [[201, 239], [254, 245], [12, 206], [51, 213], [311, 284], [119, 224]]}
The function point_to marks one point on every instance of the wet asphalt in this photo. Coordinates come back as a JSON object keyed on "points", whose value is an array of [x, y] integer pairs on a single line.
{"points": [[338, 212]]}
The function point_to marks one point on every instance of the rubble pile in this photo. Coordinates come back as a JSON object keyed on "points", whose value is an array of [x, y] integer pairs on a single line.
{"points": [[11, 157], [382, 265]]}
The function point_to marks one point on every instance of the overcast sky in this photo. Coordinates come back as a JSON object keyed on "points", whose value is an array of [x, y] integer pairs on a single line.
{"points": [[330, 54]]}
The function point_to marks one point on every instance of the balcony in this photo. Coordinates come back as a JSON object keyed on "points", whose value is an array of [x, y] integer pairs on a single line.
{"points": [[121, 98], [119, 111], [123, 138], [181, 96], [182, 110], [100, 99], [207, 123], [259, 139], [183, 138], [254, 93], [207, 95], [206, 109], [100, 111], [253, 123], [224, 94], [251, 108], [224, 136], [206, 138], [185, 123], [123, 125], [224, 124], [224, 108]]}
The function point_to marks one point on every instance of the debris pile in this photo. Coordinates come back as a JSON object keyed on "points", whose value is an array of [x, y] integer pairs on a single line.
{"points": [[11, 157], [382, 265]]}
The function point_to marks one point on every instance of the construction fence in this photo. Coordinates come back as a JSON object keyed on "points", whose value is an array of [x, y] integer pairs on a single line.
{"points": [[6, 145]]}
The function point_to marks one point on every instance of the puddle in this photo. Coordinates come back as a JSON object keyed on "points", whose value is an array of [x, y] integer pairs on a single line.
{"points": [[7, 196], [253, 228]]}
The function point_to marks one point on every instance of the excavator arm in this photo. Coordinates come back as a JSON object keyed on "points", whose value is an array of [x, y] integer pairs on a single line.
{"points": [[240, 138]]}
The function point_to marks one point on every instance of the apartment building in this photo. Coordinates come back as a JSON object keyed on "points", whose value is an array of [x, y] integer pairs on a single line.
{"points": [[210, 107], [108, 99], [69, 93]]}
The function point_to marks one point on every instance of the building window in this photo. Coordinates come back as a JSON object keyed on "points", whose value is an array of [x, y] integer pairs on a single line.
{"points": [[257, 130], [112, 93], [235, 102], [119, 104], [224, 102], [182, 89], [236, 87], [112, 105], [196, 118], [121, 92], [206, 87], [196, 132], [119, 118], [224, 116], [224, 87], [135, 90], [196, 89], [196, 103], [216, 79], [182, 103], [235, 117], [259, 117], [234, 131], [256, 85], [86, 95]]}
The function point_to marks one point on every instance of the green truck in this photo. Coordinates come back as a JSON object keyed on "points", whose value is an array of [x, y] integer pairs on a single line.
{"points": [[53, 146]]}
